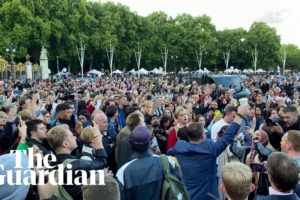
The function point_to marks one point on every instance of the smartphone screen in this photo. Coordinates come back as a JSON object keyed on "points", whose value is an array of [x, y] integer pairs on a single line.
{"points": [[258, 167], [17, 92]]}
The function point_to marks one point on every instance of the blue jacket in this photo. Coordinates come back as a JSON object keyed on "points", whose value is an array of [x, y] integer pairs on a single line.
{"points": [[245, 124], [198, 163], [111, 129], [121, 119]]}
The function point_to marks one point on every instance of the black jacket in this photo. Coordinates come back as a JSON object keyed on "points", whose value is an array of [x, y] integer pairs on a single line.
{"points": [[80, 164], [42, 146], [295, 126], [7, 137], [124, 152]]}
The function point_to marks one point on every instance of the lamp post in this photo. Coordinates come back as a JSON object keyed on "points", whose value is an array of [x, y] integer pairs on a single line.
{"points": [[11, 51], [57, 64]]}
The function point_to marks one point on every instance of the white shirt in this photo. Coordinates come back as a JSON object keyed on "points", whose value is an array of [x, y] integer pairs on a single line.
{"points": [[216, 128], [275, 192]]}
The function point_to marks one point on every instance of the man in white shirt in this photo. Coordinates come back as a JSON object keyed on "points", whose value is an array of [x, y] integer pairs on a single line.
{"points": [[229, 114]]}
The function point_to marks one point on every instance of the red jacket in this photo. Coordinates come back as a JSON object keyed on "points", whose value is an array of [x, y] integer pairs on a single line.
{"points": [[172, 138]]}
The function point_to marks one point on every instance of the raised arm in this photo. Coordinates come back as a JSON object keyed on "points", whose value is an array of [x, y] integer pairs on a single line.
{"points": [[231, 131]]}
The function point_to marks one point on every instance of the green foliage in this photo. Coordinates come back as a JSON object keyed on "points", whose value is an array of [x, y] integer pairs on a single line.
{"points": [[293, 56], [59, 25], [267, 42]]}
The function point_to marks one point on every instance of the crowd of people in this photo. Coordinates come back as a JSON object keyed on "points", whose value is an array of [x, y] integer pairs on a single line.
{"points": [[216, 146]]}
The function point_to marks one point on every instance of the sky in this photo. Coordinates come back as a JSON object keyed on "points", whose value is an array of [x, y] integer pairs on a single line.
{"points": [[284, 15]]}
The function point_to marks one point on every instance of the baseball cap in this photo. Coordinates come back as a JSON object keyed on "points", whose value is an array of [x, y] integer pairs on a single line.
{"points": [[7, 190], [140, 135]]}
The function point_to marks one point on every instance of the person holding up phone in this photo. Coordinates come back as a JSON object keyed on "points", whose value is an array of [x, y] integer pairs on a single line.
{"points": [[283, 173]]}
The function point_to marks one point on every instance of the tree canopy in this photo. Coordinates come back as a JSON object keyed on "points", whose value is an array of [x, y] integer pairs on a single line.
{"points": [[60, 25]]}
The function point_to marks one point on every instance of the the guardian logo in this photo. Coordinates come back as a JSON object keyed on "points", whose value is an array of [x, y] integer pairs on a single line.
{"points": [[39, 170]]}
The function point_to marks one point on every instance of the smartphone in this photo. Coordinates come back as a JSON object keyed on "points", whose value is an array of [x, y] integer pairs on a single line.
{"points": [[270, 122], [258, 167], [17, 92], [18, 120]]}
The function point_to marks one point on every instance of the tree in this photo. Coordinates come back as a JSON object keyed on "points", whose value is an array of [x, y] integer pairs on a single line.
{"points": [[293, 56], [230, 42], [59, 25], [267, 43]]}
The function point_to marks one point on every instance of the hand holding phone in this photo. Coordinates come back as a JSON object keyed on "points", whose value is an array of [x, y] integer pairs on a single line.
{"points": [[258, 167]]}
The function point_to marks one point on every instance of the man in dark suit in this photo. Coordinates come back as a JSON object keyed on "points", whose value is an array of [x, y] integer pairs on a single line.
{"points": [[283, 175]]}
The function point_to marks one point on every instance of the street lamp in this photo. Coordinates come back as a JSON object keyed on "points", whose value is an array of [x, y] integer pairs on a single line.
{"points": [[57, 64], [11, 51]]}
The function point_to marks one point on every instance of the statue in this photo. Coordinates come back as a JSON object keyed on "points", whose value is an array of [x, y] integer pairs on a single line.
{"points": [[44, 63], [28, 65], [43, 53]]}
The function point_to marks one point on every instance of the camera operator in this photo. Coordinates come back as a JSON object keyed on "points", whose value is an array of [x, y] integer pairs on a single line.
{"points": [[259, 150], [161, 132], [158, 135], [258, 154]]}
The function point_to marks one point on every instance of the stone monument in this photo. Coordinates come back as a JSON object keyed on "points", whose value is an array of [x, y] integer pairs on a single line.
{"points": [[44, 64], [28, 65]]}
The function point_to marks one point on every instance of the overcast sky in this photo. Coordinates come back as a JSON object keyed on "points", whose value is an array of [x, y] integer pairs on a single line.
{"points": [[284, 15]]}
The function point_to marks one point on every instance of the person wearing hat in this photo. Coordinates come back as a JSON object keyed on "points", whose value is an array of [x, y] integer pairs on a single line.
{"points": [[142, 177]]}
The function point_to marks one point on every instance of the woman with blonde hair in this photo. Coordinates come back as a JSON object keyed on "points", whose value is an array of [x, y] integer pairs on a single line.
{"points": [[181, 120]]}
